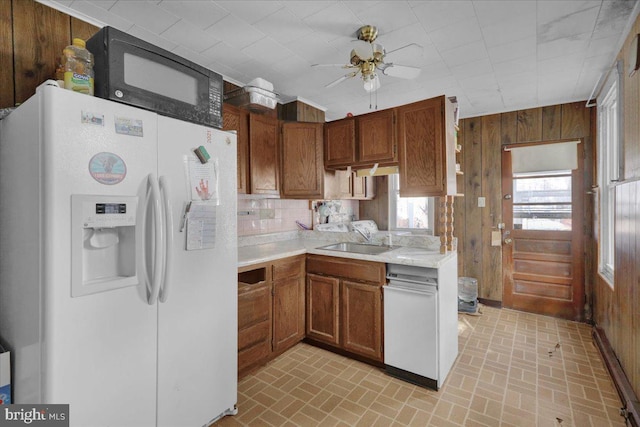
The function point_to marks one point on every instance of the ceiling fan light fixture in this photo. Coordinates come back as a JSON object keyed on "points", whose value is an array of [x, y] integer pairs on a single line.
{"points": [[371, 83], [378, 52]]}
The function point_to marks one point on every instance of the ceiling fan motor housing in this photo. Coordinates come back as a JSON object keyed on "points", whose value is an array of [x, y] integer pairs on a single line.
{"points": [[368, 33]]}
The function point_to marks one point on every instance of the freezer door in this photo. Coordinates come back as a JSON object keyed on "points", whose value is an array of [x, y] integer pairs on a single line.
{"points": [[197, 315], [98, 350]]}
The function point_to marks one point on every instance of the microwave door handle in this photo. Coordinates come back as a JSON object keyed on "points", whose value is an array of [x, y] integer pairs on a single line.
{"points": [[168, 246]]}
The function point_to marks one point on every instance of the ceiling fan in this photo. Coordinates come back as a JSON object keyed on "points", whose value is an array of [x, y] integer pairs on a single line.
{"points": [[368, 57]]}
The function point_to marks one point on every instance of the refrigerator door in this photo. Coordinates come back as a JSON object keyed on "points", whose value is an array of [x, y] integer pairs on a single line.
{"points": [[197, 322], [98, 350]]}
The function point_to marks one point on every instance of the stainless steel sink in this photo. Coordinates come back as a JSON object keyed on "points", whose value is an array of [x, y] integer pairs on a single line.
{"points": [[358, 248]]}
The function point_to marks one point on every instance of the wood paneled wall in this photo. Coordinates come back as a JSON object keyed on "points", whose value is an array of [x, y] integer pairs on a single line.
{"points": [[32, 37], [617, 310], [482, 139]]}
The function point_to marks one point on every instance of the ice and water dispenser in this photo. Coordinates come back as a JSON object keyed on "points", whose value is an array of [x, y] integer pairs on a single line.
{"points": [[103, 243]]}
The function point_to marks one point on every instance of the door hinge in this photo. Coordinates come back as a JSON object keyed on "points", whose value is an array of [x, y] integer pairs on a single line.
{"points": [[395, 149], [273, 291]]}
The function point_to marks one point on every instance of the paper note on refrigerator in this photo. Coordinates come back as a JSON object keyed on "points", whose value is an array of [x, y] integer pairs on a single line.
{"points": [[203, 180], [201, 226]]}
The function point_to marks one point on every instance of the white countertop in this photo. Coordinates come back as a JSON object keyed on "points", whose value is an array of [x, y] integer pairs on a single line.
{"points": [[249, 255]]}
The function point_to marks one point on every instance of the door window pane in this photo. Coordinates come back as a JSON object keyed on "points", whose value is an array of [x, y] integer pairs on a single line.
{"points": [[542, 201]]}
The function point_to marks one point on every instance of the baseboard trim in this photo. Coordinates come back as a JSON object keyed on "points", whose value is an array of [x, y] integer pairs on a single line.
{"points": [[630, 405], [490, 302]]}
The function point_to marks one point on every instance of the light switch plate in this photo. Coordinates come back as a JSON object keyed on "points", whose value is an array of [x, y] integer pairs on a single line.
{"points": [[496, 238], [481, 202]]}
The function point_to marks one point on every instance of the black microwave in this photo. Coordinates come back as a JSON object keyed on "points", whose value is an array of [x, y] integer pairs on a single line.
{"points": [[134, 72]]}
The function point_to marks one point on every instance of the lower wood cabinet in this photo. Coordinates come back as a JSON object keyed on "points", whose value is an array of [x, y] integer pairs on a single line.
{"points": [[323, 308], [344, 304], [362, 318], [271, 316], [254, 323], [288, 303]]}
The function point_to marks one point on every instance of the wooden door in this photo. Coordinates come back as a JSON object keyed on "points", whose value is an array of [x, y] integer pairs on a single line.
{"points": [[323, 296], [543, 252], [377, 137], [302, 166], [339, 143], [264, 160], [234, 118], [362, 319]]}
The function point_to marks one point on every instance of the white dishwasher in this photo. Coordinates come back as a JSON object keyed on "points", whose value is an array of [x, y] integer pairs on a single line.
{"points": [[411, 341]]}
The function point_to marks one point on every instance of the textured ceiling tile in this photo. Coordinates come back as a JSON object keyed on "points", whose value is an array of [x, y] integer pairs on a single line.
{"points": [[201, 14], [185, 34], [145, 15], [235, 32], [302, 9], [251, 11], [464, 54], [283, 26], [103, 15], [447, 38], [524, 48], [566, 25], [225, 54], [439, 14], [334, 22], [386, 16]]}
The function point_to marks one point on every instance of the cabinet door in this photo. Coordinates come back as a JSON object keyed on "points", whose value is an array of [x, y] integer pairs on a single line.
{"points": [[422, 146], [264, 159], [254, 325], [359, 187], [362, 319], [377, 137], [302, 167], [234, 118], [288, 312], [323, 308], [344, 184], [339, 143]]}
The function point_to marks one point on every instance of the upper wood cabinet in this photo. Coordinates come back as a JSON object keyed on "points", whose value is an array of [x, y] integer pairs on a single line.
{"points": [[361, 141], [426, 148], [377, 137], [355, 187], [340, 143], [237, 119], [302, 167], [263, 153]]}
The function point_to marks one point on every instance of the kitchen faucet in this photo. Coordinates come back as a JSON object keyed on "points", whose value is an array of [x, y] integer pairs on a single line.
{"points": [[365, 233]]}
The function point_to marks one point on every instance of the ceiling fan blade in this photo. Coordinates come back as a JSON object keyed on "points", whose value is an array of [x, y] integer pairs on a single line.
{"points": [[334, 65], [410, 50], [401, 71], [341, 79]]}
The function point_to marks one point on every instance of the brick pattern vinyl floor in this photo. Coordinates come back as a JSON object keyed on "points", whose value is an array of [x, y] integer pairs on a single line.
{"points": [[513, 369]]}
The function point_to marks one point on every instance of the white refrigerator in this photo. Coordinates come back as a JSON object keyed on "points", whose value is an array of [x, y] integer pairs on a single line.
{"points": [[118, 255]]}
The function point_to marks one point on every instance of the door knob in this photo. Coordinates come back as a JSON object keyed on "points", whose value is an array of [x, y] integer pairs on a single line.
{"points": [[508, 241]]}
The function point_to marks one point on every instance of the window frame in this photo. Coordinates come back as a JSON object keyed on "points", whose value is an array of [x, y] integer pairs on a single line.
{"points": [[394, 194], [609, 170]]}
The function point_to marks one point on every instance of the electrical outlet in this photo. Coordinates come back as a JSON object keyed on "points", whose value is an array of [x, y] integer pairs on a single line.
{"points": [[481, 202]]}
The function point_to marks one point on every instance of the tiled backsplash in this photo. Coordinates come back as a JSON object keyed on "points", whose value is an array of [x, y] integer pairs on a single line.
{"points": [[260, 216]]}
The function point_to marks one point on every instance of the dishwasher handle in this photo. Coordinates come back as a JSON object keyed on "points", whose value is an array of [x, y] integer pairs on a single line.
{"points": [[412, 288]]}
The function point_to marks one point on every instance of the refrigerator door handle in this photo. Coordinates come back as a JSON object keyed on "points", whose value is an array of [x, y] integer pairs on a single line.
{"points": [[158, 253], [168, 256]]}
